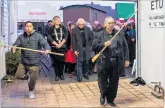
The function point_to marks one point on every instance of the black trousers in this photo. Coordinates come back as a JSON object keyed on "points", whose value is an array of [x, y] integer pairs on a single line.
{"points": [[58, 62], [59, 67], [91, 65], [108, 79], [132, 51]]}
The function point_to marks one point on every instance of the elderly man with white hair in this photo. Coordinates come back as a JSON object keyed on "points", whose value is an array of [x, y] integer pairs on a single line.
{"points": [[81, 43], [111, 62]]}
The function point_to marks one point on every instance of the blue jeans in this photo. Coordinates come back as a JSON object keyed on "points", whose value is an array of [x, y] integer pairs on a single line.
{"points": [[82, 68]]}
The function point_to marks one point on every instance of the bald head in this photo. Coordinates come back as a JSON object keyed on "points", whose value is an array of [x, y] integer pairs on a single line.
{"points": [[109, 23], [80, 23]]}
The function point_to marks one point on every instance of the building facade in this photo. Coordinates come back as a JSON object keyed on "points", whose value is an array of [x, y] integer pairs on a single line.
{"points": [[108, 9], [3, 34], [90, 14], [7, 16]]}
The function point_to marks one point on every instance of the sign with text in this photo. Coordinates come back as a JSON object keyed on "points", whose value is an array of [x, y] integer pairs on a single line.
{"points": [[37, 12], [157, 20], [151, 40], [156, 4]]}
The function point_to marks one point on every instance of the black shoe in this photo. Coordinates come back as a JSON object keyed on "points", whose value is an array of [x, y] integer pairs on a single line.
{"points": [[62, 77], [112, 104], [79, 79], [86, 77], [138, 81], [135, 80], [102, 100], [141, 81], [57, 78]]}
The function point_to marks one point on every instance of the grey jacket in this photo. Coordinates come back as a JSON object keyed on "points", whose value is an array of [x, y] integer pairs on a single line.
{"points": [[77, 44], [35, 41]]}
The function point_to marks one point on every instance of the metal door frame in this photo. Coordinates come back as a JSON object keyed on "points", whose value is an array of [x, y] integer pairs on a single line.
{"points": [[138, 40]]}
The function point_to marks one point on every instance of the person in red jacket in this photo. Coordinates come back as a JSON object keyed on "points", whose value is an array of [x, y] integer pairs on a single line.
{"points": [[70, 57]]}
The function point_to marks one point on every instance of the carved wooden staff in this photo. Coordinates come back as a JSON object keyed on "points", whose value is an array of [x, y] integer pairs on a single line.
{"points": [[31, 49], [97, 55]]}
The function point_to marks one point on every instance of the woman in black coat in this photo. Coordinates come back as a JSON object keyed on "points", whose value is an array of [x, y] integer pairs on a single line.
{"points": [[57, 36]]}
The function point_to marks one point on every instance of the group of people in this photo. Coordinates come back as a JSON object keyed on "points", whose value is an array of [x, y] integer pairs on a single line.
{"points": [[77, 42], [78, 38], [130, 35]]}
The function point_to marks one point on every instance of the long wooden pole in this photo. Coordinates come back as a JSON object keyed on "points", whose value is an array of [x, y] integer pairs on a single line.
{"points": [[97, 55], [21, 48]]}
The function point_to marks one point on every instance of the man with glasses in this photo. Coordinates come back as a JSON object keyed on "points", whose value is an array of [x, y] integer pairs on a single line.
{"points": [[111, 62], [81, 42]]}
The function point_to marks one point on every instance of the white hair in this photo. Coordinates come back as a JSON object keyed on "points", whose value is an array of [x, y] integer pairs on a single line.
{"points": [[107, 18], [80, 20], [89, 25]]}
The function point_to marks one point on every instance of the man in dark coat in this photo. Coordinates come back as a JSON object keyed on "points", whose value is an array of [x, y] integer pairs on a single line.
{"points": [[47, 27], [111, 62], [81, 42]]}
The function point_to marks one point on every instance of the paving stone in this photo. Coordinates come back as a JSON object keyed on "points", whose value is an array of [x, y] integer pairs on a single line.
{"points": [[70, 93]]}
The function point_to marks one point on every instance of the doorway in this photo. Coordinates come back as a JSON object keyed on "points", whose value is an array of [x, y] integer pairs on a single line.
{"points": [[38, 26]]}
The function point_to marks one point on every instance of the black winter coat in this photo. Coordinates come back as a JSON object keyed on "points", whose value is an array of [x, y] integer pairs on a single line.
{"points": [[119, 43]]}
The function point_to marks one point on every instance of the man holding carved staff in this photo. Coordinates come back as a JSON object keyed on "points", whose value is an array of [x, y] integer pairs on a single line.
{"points": [[30, 60], [112, 60]]}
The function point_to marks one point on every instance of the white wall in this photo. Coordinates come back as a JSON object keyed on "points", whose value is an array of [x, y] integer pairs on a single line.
{"points": [[6, 23], [13, 21], [164, 55], [9, 25], [151, 38], [2, 40]]}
